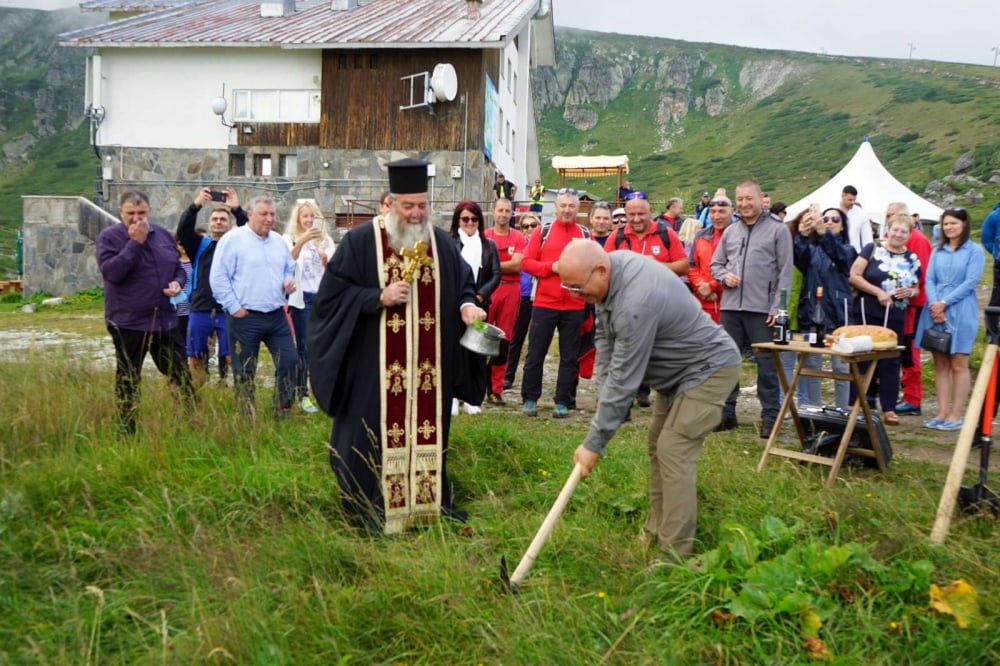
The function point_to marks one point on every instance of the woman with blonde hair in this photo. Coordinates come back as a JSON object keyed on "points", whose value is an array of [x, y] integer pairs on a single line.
{"points": [[311, 248]]}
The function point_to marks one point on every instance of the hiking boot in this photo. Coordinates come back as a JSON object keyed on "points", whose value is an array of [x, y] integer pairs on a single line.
{"points": [[530, 408], [560, 412], [495, 399], [906, 409]]}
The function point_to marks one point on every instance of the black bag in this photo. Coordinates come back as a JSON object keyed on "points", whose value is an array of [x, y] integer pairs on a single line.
{"points": [[824, 426], [935, 340]]}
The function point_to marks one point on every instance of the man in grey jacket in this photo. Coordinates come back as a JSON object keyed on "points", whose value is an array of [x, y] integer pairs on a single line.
{"points": [[753, 263], [650, 330]]}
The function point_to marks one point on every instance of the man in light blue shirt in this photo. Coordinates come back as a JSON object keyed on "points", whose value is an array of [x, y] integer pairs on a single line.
{"points": [[252, 273]]}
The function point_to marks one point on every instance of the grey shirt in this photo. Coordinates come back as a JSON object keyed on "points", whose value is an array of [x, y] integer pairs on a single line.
{"points": [[650, 330]]}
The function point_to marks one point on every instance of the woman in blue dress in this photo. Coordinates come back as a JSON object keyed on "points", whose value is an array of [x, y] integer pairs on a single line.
{"points": [[887, 276], [954, 271]]}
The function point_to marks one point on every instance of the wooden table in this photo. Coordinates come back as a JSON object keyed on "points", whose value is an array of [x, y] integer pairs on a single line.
{"points": [[854, 374]]}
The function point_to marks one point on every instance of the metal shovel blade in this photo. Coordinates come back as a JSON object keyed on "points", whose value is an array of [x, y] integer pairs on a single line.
{"points": [[978, 500]]}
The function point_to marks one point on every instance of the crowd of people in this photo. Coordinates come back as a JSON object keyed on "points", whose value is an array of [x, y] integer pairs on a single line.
{"points": [[656, 308]]}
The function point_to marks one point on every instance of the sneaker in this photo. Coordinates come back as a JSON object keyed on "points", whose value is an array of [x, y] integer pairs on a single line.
{"points": [[560, 412], [951, 425], [307, 406], [906, 409], [530, 408], [454, 406], [933, 423], [495, 399], [472, 409], [642, 400]]}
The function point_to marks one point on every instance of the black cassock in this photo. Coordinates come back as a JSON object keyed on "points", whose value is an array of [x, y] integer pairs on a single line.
{"points": [[343, 343]]}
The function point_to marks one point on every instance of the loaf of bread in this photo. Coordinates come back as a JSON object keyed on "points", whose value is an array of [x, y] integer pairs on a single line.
{"points": [[882, 337]]}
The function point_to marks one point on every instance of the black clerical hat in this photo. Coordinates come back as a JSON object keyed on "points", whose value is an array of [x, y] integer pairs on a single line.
{"points": [[407, 176]]}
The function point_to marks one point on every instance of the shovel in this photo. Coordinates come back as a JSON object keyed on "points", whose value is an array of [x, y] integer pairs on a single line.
{"points": [[979, 498], [512, 583]]}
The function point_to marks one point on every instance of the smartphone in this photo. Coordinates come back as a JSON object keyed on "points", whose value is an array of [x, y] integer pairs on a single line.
{"points": [[217, 196]]}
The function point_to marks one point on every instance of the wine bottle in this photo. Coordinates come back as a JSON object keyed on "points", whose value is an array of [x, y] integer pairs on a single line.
{"points": [[782, 321], [818, 320]]}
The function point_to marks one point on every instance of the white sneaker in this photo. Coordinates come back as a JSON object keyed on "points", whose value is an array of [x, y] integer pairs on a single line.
{"points": [[454, 407], [471, 409], [307, 406]]}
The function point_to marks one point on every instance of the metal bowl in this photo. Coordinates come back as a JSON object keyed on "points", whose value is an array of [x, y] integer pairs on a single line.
{"points": [[485, 341]]}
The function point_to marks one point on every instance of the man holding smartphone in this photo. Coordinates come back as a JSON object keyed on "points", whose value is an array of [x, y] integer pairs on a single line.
{"points": [[207, 316]]}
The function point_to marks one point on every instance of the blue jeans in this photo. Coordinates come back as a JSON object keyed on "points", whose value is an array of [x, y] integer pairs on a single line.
{"points": [[300, 318], [245, 337]]}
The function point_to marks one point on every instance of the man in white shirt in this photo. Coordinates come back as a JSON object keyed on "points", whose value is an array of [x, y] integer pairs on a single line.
{"points": [[859, 226]]}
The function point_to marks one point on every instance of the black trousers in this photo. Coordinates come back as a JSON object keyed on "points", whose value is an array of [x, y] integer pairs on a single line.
{"points": [[168, 351], [517, 339], [754, 326], [544, 323]]}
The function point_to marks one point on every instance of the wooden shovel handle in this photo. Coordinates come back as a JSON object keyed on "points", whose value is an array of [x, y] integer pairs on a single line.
{"points": [[524, 566], [942, 521]]}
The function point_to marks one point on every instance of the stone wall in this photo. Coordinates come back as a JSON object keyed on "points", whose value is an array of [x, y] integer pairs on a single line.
{"points": [[171, 178], [59, 241]]}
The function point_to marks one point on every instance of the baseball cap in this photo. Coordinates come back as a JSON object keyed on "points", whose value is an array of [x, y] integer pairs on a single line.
{"points": [[618, 212]]}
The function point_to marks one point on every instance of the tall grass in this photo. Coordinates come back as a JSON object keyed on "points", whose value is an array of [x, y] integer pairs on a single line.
{"points": [[207, 538]]}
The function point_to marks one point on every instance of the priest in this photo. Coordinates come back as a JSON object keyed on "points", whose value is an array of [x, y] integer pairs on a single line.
{"points": [[385, 361]]}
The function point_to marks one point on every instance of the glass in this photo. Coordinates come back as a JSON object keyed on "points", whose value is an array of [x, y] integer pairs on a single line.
{"points": [[468, 218], [719, 204], [635, 195], [578, 290], [832, 218], [567, 190]]}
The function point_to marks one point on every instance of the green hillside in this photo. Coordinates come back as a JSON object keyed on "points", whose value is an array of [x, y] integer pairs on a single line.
{"points": [[920, 117]]}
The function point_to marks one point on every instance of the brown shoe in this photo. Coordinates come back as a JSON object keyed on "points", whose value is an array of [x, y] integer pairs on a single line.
{"points": [[890, 418]]}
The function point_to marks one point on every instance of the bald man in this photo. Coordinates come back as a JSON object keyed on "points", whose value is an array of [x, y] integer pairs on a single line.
{"points": [[651, 331]]}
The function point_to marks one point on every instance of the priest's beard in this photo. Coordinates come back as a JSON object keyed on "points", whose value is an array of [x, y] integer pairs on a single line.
{"points": [[402, 235]]}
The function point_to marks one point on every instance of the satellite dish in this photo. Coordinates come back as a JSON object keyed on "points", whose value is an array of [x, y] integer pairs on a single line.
{"points": [[444, 83]]}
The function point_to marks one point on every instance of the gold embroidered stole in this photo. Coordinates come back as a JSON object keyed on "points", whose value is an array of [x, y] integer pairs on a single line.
{"points": [[410, 376]]}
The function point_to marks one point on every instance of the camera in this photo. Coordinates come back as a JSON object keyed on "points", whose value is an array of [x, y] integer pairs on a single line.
{"points": [[217, 196]]}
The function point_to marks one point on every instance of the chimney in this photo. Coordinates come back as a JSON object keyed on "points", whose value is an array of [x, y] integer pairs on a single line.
{"points": [[277, 8], [342, 5], [473, 7]]}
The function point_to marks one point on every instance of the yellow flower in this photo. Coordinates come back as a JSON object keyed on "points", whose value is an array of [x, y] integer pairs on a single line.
{"points": [[544, 472], [601, 595]]}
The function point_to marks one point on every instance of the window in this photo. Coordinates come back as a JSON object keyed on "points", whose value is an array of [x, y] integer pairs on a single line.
{"points": [[508, 137], [500, 126], [510, 71], [237, 165], [513, 144], [288, 165], [276, 105], [513, 93], [262, 165]]}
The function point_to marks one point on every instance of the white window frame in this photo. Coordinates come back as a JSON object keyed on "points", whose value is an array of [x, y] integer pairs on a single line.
{"points": [[247, 109]]}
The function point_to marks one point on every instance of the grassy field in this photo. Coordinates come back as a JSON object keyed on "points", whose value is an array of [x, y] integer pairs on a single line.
{"points": [[211, 540]]}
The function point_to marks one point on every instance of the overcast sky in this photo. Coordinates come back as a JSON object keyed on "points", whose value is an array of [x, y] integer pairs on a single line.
{"points": [[953, 31]]}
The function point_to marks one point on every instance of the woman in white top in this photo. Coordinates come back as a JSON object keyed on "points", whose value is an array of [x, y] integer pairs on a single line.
{"points": [[311, 249]]}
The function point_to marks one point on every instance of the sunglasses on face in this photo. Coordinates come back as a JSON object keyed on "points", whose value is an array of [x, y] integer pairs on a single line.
{"points": [[832, 218], [468, 218], [635, 195], [530, 225]]}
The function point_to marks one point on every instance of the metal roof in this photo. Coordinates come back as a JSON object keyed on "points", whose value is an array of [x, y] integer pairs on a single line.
{"points": [[128, 5], [374, 24]]}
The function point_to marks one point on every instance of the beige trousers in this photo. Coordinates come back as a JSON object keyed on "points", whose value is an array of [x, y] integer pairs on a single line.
{"points": [[676, 434]]}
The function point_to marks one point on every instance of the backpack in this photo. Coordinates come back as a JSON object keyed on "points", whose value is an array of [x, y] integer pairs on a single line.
{"points": [[661, 229]]}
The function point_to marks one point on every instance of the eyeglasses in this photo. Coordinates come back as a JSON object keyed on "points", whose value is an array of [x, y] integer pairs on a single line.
{"points": [[635, 195], [468, 218], [719, 204], [578, 290], [567, 190], [529, 225], [832, 218]]}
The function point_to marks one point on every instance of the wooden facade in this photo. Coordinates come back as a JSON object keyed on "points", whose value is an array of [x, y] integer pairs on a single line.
{"points": [[278, 134], [362, 92]]}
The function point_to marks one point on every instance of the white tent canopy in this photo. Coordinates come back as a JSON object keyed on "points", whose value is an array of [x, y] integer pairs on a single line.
{"points": [[877, 188]]}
